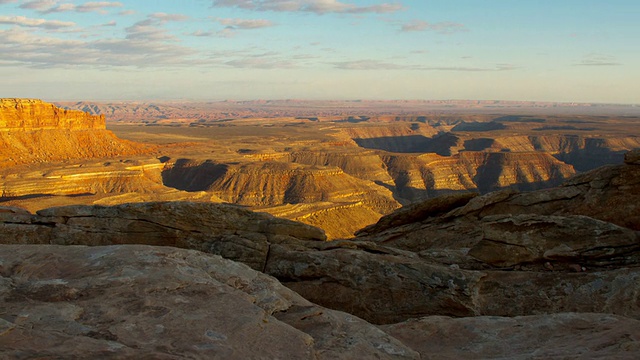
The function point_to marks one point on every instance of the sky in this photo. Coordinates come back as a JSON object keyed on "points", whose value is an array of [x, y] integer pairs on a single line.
{"points": [[529, 50]]}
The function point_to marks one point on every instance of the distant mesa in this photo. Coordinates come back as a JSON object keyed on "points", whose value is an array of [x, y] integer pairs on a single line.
{"points": [[34, 114], [34, 131]]}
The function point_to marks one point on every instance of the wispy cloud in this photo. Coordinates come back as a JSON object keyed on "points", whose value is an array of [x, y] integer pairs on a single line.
{"points": [[152, 29], [98, 6], [164, 17], [7, 1], [366, 65], [261, 63], [446, 27], [142, 46], [39, 23], [245, 24], [39, 5], [201, 33], [53, 6], [369, 64], [313, 6], [598, 60]]}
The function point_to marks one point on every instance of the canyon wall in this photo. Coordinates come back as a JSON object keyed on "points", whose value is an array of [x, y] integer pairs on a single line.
{"points": [[34, 114], [33, 131]]}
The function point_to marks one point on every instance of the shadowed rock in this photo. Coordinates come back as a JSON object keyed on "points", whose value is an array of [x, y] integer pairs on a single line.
{"points": [[558, 336]]}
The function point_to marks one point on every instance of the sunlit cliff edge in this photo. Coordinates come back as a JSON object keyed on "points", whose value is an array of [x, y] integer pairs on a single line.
{"points": [[34, 131]]}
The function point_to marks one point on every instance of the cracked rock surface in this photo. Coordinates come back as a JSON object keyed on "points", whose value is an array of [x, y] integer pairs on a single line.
{"points": [[141, 301]]}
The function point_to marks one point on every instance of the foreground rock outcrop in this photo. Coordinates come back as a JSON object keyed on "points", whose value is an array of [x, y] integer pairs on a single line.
{"points": [[165, 303], [227, 230], [554, 336]]}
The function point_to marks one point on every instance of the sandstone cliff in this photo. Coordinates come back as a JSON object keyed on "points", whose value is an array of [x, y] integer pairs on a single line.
{"points": [[33, 131], [33, 114]]}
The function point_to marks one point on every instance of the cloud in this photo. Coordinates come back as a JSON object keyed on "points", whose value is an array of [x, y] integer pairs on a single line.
{"points": [[440, 27], [151, 28], [138, 48], [201, 33], [39, 23], [380, 65], [313, 6], [164, 17], [7, 1], [38, 4], [97, 6], [52, 6], [245, 24], [598, 60], [261, 63], [366, 65]]}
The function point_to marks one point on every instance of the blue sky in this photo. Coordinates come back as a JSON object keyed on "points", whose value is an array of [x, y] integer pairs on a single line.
{"points": [[561, 50]]}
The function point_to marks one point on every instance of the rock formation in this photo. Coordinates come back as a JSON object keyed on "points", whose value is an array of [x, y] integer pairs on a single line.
{"points": [[419, 177], [33, 114], [228, 230], [165, 303], [33, 131], [553, 336], [321, 194], [451, 277]]}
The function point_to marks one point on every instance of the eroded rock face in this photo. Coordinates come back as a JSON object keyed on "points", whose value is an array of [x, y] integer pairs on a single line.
{"points": [[34, 114], [165, 303], [228, 230], [504, 253], [33, 131]]}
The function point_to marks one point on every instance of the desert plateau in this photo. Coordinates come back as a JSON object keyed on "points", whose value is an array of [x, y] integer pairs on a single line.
{"points": [[319, 179], [339, 172]]}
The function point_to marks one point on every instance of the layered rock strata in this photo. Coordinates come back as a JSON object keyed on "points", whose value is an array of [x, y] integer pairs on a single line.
{"points": [[33, 131]]}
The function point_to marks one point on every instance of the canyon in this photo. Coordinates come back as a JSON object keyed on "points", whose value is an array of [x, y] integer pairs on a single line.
{"points": [[444, 234], [340, 170], [506, 274]]}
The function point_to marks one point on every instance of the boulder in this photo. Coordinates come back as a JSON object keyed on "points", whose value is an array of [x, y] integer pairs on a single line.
{"points": [[140, 301]]}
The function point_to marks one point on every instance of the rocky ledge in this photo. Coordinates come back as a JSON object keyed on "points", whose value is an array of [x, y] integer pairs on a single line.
{"points": [[550, 273]]}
